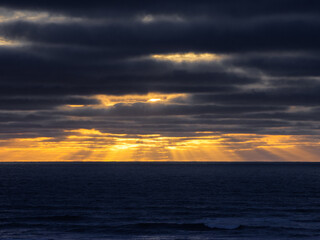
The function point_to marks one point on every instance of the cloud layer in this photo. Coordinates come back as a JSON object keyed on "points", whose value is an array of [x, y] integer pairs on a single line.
{"points": [[218, 67]]}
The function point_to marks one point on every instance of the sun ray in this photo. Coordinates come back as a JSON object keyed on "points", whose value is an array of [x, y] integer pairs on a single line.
{"points": [[95, 145]]}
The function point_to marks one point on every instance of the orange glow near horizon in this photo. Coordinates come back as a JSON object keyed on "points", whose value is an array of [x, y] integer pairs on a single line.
{"points": [[94, 145]]}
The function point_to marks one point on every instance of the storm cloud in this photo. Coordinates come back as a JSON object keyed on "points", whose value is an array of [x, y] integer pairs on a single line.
{"points": [[58, 58]]}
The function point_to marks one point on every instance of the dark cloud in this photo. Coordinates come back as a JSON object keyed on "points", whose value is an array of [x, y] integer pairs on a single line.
{"points": [[296, 65], [143, 109], [42, 103], [265, 81], [162, 37], [302, 96], [203, 7], [30, 71]]}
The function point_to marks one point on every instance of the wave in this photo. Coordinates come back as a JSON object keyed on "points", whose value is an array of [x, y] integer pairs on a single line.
{"points": [[171, 226], [74, 223], [20, 225], [60, 218], [182, 226], [228, 224], [202, 227], [53, 218]]}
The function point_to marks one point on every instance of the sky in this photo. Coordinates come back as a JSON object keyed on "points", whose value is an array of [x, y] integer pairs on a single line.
{"points": [[160, 80]]}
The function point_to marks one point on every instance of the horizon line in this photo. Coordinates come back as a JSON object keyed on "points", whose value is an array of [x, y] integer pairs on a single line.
{"points": [[157, 162]]}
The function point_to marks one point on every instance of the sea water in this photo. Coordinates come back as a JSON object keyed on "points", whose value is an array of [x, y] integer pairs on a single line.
{"points": [[159, 201]]}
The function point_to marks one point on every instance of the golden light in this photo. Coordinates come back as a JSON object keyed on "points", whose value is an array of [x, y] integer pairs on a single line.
{"points": [[154, 100], [84, 131], [75, 106], [111, 100], [95, 145], [6, 42], [187, 57]]}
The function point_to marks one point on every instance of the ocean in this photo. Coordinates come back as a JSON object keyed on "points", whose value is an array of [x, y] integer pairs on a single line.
{"points": [[97, 201]]}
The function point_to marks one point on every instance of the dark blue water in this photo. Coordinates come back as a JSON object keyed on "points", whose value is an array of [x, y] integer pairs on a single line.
{"points": [[159, 201]]}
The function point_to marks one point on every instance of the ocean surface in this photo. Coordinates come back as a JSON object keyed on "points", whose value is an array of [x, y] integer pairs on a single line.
{"points": [[96, 201]]}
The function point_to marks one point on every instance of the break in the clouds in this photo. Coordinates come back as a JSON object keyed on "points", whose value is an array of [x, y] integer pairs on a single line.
{"points": [[176, 80]]}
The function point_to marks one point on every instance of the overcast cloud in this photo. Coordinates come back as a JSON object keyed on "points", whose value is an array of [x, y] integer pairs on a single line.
{"points": [[56, 57]]}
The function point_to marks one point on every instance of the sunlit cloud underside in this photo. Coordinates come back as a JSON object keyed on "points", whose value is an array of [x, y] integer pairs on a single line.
{"points": [[187, 57], [108, 100], [93, 145], [90, 144], [9, 15], [6, 42]]}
